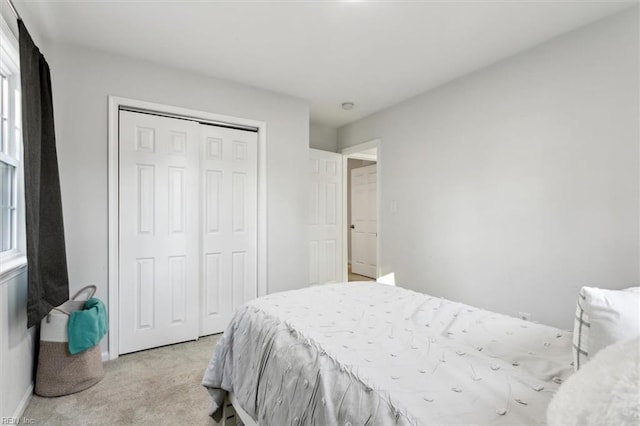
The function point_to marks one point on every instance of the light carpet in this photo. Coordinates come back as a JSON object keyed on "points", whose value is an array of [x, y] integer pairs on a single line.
{"points": [[154, 387]]}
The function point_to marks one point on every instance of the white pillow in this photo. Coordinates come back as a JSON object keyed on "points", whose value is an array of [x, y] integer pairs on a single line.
{"points": [[604, 317], [614, 316], [605, 391]]}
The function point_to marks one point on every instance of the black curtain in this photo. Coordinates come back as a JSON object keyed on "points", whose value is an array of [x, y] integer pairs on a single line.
{"points": [[46, 254]]}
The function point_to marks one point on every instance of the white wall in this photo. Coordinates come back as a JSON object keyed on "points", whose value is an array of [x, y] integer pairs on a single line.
{"points": [[518, 184], [11, 21], [16, 347], [323, 137], [83, 79]]}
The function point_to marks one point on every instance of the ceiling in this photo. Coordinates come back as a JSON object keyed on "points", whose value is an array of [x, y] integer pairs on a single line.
{"points": [[372, 53]]}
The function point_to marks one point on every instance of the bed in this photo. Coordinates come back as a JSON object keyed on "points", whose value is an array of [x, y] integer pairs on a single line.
{"points": [[366, 353]]}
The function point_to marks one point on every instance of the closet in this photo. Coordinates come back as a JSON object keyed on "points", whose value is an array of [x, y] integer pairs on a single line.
{"points": [[187, 228]]}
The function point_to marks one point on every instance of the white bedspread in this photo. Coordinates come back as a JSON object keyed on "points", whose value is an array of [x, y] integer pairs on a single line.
{"points": [[364, 354]]}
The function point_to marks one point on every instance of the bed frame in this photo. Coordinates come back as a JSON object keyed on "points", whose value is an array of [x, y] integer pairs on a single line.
{"points": [[233, 414]]}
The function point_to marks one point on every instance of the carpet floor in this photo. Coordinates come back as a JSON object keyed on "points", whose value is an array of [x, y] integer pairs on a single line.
{"points": [[154, 387]]}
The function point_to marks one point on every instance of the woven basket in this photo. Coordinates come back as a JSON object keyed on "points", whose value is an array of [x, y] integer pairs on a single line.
{"points": [[60, 373]]}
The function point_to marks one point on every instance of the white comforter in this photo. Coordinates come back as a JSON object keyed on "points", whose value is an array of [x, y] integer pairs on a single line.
{"points": [[364, 354]]}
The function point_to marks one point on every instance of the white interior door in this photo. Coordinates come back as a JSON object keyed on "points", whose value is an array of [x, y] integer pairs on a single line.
{"points": [[364, 227], [158, 231], [230, 220], [325, 209]]}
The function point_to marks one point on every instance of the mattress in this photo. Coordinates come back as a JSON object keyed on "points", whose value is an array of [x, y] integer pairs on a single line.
{"points": [[368, 354]]}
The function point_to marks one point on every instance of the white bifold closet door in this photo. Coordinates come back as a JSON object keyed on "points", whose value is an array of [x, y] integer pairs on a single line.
{"points": [[187, 228]]}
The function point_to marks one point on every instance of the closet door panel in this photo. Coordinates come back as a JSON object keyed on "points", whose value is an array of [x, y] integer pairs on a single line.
{"points": [[158, 231], [229, 209]]}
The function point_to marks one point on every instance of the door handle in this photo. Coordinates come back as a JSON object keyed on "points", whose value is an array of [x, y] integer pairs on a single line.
{"points": [[352, 227]]}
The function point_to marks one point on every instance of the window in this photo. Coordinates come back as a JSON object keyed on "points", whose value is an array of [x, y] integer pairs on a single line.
{"points": [[11, 172], [9, 163]]}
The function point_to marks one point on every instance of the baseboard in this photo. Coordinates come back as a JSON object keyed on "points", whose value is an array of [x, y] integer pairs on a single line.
{"points": [[26, 398]]}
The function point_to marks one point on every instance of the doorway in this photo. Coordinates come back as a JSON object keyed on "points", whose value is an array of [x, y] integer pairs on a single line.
{"points": [[361, 211]]}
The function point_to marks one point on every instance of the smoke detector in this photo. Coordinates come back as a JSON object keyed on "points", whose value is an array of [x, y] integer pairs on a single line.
{"points": [[348, 105]]}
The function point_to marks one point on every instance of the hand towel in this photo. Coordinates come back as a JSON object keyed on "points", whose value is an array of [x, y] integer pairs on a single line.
{"points": [[87, 327]]}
